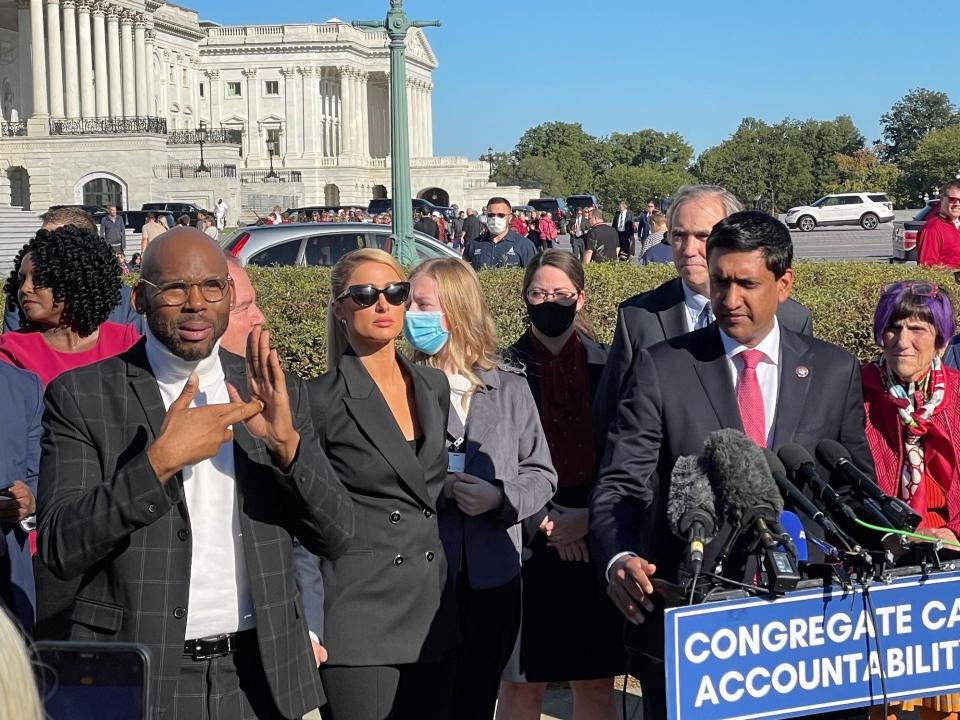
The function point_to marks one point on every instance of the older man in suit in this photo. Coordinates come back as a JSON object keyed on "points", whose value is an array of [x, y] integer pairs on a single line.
{"points": [[178, 502], [680, 305], [746, 371], [623, 224]]}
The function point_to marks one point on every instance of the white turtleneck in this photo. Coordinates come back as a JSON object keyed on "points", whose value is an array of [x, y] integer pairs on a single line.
{"points": [[220, 599]]}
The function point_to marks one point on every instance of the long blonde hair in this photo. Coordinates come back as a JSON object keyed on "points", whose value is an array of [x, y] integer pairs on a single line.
{"points": [[337, 341], [473, 337], [18, 689]]}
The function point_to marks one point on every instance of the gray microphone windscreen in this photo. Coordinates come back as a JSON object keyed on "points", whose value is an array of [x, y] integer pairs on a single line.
{"points": [[691, 496], [740, 475]]}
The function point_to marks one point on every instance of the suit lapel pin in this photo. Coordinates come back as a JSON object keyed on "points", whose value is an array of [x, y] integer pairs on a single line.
{"points": [[802, 371]]}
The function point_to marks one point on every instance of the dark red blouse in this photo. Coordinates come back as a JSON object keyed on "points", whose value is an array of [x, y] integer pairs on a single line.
{"points": [[565, 411]]}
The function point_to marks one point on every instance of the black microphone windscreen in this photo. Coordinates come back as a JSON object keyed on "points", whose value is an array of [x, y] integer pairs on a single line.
{"points": [[773, 462], [741, 476], [830, 453], [691, 496], [793, 456]]}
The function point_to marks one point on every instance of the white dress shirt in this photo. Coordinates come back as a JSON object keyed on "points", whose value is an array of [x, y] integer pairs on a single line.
{"points": [[693, 304], [220, 600], [621, 219], [768, 372]]}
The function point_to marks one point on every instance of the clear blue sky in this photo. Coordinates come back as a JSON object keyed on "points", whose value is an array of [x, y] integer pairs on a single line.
{"points": [[695, 67]]}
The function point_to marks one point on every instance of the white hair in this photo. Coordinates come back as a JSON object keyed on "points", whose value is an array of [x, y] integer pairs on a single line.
{"points": [[699, 192]]}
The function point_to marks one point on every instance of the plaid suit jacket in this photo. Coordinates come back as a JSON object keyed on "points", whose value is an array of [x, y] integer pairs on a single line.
{"points": [[104, 517]]}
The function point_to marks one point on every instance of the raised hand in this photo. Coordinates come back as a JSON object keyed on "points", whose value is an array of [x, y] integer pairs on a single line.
{"points": [[266, 384], [189, 435]]}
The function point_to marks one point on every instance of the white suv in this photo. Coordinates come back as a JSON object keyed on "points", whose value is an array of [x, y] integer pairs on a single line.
{"points": [[864, 209]]}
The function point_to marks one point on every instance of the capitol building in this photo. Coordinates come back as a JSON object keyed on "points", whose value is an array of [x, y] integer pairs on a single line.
{"points": [[134, 101]]}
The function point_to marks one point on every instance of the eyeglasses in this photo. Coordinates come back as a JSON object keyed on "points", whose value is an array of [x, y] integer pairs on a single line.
{"points": [[366, 295], [918, 288], [171, 294], [951, 200], [499, 215], [564, 297]]}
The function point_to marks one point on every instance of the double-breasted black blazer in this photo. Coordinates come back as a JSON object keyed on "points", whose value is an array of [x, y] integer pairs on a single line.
{"points": [[104, 517], [388, 600]]}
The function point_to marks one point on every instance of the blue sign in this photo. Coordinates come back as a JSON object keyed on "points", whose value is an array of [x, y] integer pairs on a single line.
{"points": [[813, 651]]}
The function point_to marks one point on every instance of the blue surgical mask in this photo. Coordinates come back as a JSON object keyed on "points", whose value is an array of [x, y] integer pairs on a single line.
{"points": [[424, 330]]}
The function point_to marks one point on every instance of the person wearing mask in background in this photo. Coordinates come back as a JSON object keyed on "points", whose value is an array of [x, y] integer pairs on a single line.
{"points": [[391, 626], [150, 231], [602, 241], [500, 247], [500, 471], [577, 229], [113, 230], [472, 228], [123, 312], [939, 238], [656, 248], [563, 363]]}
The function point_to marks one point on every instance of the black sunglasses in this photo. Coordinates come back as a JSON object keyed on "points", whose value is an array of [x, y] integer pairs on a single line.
{"points": [[366, 295]]}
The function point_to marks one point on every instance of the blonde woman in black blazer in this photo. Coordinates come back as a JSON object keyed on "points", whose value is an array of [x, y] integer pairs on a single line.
{"points": [[391, 625]]}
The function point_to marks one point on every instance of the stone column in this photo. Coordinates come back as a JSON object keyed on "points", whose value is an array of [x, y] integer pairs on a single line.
{"points": [[38, 61], [101, 78], [253, 114], [428, 116], [71, 85], [127, 64], [308, 91], [363, 114], [85, 46], [114, 68], [348, 117], [151, 40], [292, 111], [24, 95], [55, 68], [140, 68], [214, 88]]}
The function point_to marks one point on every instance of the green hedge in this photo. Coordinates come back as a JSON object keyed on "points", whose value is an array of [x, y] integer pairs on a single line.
{"points": [[841, 296]]}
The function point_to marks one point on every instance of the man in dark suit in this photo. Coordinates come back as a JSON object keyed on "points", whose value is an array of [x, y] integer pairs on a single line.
{"points": [[746, 371], [21, 398], [178, 502], [427, 225], [472, 227], [679, 305], [623, 224]]}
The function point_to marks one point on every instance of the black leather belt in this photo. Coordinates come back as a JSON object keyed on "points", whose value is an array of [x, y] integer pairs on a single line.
{"points": [[214, 646]]}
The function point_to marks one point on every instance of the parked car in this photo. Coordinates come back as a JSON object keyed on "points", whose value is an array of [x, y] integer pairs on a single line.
{"points": [[382, 205], [517, 209], [290, 214], [574, 202], [133, 221], [556, 206], [177, 208], [866, 209], [906, 232], [320, 243], [90, 210]]}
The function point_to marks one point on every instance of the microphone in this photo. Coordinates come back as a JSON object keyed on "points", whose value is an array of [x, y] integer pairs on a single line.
{"points": [[799, 500], [691, 507], [833, 455], [739, 472], [794, 528], [802, 471]]}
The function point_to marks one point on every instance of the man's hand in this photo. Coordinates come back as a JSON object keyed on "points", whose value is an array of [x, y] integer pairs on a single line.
{"points": [[319, 652], [569, 524], [475, 496], [575, 551], [630, 586], [189, 435], [266, 384], [17, 503]]}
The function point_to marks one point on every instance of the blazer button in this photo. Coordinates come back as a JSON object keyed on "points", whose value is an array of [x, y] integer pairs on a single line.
{"points": [[183, 533], [398, 560], [395, 517], [179, 613], [430, 556], [152, 508], [427, 513]]}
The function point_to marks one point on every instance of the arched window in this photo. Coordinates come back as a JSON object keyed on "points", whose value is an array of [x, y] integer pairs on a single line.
{"points": [[103, 192]]}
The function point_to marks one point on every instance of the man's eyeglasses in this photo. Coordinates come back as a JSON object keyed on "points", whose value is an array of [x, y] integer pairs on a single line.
{"points": [[366, 295], [918, 288], [499, 215], [564, 297], [951, 200], [171, 294]]}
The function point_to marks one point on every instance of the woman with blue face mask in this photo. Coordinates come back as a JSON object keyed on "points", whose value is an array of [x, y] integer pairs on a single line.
{"points": [[499, 471]]}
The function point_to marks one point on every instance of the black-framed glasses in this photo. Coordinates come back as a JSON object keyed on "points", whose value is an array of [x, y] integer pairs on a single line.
{"points": [[920, 288], [213, 290], [366, 295]]}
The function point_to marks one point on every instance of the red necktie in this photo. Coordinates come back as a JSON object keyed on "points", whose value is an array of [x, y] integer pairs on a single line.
{"points": [[750, 399]]}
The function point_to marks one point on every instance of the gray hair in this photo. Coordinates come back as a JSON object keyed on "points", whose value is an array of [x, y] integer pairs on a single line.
{"points": [[699, 192], [597, 214]]}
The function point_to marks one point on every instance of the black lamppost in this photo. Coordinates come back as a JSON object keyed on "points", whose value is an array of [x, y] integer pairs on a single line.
{"points": [[490, 160], [201, 139], [271, 151]]}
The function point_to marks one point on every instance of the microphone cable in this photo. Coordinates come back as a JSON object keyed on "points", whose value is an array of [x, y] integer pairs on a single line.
{"points": [[868, 601], [907, 534]]}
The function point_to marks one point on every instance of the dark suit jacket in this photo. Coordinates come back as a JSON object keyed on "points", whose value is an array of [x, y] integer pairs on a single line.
{"points": [[388, 600], [652, 317], [680, 391], [21, 398], [472, 227], [643, 226], [627, 225], [104, 516]]}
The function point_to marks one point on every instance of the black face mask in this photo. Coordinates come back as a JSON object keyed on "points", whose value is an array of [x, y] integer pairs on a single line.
{"points": [[551, 318]]}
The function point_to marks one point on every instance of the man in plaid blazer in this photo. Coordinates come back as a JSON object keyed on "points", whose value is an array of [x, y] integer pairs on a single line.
{"points": [[177, 502]]}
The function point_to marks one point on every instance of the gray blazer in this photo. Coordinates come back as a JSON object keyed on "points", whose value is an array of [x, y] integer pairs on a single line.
{"points": [[505, 445]]}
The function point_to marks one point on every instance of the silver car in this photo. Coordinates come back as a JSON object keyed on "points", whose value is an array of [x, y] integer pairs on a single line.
{"points": [[320, 244]]}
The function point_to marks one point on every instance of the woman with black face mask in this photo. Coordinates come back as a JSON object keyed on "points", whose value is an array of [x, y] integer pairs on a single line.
{"points": [[569, 629]]}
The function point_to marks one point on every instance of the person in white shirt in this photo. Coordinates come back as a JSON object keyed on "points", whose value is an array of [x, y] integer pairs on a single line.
{"points": [[221, 214]]}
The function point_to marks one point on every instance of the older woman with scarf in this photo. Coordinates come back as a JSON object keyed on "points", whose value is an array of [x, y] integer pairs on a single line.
{"points": [[912, 403]]}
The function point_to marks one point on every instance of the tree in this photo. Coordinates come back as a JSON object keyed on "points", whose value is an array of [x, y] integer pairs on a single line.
{"points": [[935, 162], [822, 140], [912, 117], [569, 147], [648, 147], [863, 170], [636, 185]]}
